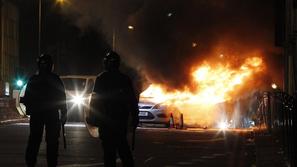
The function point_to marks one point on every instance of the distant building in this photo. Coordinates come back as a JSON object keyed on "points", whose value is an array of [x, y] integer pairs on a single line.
{"points": [[9, 47]]}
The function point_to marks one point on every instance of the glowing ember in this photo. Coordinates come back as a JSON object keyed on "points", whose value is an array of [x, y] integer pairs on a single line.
{"points": [[213, 84]]}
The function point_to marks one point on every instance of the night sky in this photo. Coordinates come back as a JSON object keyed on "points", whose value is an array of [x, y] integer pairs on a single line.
{"points": [[159, 47], [74, 51]]}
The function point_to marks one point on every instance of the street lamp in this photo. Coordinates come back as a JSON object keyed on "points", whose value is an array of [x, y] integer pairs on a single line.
{"points": [[274, 86], [130, 27], [60, 1], [20, 83], [114, 36]]}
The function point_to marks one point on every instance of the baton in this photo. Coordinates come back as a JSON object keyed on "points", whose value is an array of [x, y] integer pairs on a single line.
{"points": [[64, 135], [133, 139]]}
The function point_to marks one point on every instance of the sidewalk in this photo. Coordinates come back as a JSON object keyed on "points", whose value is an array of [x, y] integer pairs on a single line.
{"points": [[269, 152], [9, 113]]}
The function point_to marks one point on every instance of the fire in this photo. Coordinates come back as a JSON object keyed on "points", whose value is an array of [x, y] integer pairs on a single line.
{"points": [[213, 84]]}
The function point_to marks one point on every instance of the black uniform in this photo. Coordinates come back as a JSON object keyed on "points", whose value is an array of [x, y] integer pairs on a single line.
{"points": [[44, 97], [116, 93]]}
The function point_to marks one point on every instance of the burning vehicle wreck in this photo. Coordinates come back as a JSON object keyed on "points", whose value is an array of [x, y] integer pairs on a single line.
{"points": [[219, 97]]}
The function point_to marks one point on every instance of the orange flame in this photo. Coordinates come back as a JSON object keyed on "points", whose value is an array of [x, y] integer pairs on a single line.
{"points": [[213, 84]]}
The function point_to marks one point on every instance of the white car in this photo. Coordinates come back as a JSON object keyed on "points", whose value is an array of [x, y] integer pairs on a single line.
{"points": [[152, 113], [78, 91]]}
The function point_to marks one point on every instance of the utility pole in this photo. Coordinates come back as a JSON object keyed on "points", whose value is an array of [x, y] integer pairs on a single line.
{"points": [[39, 26]]}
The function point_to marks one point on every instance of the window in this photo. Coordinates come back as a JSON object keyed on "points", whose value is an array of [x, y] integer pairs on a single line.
{"points": [[77, 84]]}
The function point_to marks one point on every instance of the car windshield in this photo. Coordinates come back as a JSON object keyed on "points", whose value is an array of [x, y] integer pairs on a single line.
{"points": [[78, 84]]}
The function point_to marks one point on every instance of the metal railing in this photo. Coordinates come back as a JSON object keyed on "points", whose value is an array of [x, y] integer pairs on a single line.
{"points": [[277, 115]]}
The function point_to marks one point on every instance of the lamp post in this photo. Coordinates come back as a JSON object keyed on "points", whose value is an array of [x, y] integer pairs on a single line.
{"points": [[114, 36], [61, 2], [39, 27]]}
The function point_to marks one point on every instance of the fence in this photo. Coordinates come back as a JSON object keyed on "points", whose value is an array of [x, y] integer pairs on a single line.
{"points": [[277, 115]]}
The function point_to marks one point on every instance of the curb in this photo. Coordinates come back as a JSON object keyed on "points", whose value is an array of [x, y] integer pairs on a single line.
{"points": [[12, 121]]}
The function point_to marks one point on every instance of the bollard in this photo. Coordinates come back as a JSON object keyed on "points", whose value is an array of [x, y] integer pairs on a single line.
{"points": [[171, 121], [181, 121]]}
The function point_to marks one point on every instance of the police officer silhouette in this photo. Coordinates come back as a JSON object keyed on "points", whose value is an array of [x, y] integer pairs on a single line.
{"points": [[119, 102], [45, 102]]}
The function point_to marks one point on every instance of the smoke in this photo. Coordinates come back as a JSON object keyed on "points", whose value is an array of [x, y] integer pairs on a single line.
{"points": [[170, 36]]}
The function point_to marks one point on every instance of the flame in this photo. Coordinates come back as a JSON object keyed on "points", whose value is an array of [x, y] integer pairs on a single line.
{"points": [[213, 84]]}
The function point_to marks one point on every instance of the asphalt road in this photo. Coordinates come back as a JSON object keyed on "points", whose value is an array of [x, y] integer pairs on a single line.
{"points": [[155, 147]]}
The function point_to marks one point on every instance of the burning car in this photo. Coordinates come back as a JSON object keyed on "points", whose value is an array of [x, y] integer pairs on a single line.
{"points": [[158, 113]]}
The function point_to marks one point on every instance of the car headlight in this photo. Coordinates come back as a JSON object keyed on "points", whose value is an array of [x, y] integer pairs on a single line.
{"points": [[77, 100]]}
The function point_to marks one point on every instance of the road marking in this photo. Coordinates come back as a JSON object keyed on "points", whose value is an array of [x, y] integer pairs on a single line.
{"points": [[83, 165], [185, 163], [149, 159], [81, 125], [197, 160], [205, 140], [21, 124], [218, 155], [207, 157]]}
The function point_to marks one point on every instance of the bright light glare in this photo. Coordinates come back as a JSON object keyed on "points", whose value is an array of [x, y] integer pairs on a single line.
{"points": [[130, 27], [20, 83], [77, 100], [194, 44], [223, 125], [60, 1]]}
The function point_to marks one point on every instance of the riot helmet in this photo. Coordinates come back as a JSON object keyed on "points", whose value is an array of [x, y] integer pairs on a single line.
{"points": [[45, 63], [111, 61]]}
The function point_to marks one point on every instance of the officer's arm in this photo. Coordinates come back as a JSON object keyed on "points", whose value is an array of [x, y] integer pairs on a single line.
{"points": [[98, 87], [62, 97], [27, 100]]}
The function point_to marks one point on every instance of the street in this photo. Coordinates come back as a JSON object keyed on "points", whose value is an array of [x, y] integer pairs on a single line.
{"points": [[155, 147]]}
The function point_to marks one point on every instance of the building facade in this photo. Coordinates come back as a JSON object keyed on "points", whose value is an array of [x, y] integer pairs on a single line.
{"points": [[286, 37], [9, 46]]}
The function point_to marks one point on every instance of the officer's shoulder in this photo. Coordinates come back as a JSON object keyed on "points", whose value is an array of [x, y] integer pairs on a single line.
{"points": [[55, 77], [125, 76], [33, 77]]}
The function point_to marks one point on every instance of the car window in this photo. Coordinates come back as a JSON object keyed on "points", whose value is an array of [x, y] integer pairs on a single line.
{"points": [[145, 107], [77, 84]]}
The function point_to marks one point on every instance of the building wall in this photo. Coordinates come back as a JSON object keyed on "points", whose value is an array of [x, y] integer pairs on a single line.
{"points": [[286, 37], [9, 44]]}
